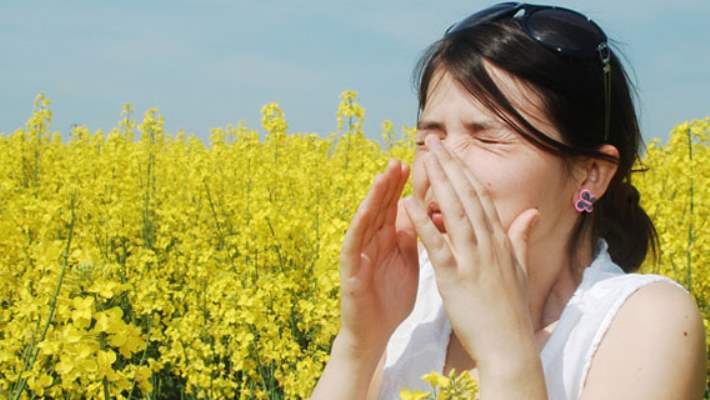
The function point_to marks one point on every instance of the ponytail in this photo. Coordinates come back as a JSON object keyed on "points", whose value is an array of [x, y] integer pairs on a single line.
{"points": [[624, 224]]}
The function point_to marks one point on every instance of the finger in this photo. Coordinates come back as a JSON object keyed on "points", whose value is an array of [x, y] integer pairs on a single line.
{"points": [[467, 193], [403, 221], [392, 207], [519, 235], [493, 218], [389, 233], [406, 234], [456, 219], [352, 243], [390, 185], [437, 249]]}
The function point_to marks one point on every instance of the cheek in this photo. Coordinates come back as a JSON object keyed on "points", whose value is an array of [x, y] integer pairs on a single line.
{"points": [[507, 191], [506, 188], [516, 187], [511, 203]]}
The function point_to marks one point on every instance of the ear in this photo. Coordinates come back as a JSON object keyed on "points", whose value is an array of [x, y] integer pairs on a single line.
{"points": [[595, 174]]}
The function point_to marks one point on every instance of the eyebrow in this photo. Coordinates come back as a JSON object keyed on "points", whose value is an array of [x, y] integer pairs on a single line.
{"points": [[472, 125]]}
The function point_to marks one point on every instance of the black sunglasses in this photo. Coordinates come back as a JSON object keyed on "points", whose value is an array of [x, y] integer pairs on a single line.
{"points": [[558, 29]]}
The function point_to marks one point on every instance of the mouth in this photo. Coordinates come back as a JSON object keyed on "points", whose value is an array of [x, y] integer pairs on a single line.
{"points": [[434, 213]]}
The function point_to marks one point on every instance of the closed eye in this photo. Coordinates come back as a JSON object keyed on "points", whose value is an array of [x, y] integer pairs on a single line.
{"points": [[420, 143], [493, 136], [483, 134]]}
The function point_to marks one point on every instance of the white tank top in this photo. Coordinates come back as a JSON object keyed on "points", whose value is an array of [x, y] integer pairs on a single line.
{"points": [[418, 345]]}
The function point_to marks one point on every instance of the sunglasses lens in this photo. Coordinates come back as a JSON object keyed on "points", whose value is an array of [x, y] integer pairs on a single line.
{"points": [[489, 14], [565, 31]]}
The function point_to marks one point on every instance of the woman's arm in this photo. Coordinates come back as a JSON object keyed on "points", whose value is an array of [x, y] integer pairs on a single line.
{"points": [[348, 373], [518, 377], [654, 349], [373, 392]]}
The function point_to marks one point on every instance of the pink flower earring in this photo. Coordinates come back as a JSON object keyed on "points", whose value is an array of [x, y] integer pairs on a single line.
{"points": [[584, 201]]}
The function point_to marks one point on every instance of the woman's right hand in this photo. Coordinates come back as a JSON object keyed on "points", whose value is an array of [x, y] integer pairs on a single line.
{"points": [[379, 265]]}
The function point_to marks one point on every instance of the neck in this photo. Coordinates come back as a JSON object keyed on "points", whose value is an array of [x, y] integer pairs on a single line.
{"points": [[553, 280]]}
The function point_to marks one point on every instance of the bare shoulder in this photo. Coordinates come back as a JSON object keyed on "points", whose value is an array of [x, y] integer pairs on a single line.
{"points": [[654, 348]]}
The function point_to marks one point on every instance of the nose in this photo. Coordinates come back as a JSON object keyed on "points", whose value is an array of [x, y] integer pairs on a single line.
{"points": [[428, 157], [454, 151]]}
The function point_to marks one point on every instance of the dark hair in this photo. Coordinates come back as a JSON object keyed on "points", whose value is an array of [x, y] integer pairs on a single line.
{"points": [[571, 90]]}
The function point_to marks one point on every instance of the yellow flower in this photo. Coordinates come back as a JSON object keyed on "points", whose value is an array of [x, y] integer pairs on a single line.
{"points": [[104, 361], [128, 340], [83, 309], [210, 270], [109, 321], [436, 380], [405, 394], [40, 383]]}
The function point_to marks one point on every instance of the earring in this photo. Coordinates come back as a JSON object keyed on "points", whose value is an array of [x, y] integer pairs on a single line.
{"points": [[584, 201]]}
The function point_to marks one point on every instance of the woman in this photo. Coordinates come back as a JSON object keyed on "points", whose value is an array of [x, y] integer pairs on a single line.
{"points": [[529, 226]]}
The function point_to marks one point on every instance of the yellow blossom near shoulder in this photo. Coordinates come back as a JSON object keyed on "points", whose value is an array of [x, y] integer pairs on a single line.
{"points": [[437, 380], [405, 394], [453, 387]]}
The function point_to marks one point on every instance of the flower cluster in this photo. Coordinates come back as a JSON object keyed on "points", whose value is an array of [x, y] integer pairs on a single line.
{"points": [[675, 192], [137, 263], [452, 387]]}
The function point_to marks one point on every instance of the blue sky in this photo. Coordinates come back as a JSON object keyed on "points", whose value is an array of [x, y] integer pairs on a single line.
{"points": [[209, 63]]}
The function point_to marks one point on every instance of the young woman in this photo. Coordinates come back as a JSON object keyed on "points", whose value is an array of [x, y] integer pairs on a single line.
{"points": [[530, 231]]}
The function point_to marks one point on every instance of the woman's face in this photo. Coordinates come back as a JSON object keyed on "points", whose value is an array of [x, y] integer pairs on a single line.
{"points": [[516, 174]]}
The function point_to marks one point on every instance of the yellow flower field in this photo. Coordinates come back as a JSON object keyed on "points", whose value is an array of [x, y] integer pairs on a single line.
{"points": [[135, 263]]}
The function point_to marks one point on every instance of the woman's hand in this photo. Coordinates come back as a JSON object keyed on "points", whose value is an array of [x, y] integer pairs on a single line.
{"points": [[379, 271], [379, 265], [480, 269]]}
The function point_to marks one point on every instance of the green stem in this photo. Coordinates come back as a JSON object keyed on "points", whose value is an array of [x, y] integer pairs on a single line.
{"points": [[145, 352], [220, 232], [106, 393], [53, 303]]}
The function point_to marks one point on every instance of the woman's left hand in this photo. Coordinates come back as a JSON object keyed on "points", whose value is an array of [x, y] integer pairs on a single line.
{"points": [[480, 269]]}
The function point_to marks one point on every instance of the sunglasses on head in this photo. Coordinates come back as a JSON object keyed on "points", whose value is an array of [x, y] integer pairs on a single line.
{"points": [[558, 29]]}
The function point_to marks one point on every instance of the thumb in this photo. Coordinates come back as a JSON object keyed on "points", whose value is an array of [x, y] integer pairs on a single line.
{"points": [[519, 233]]}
